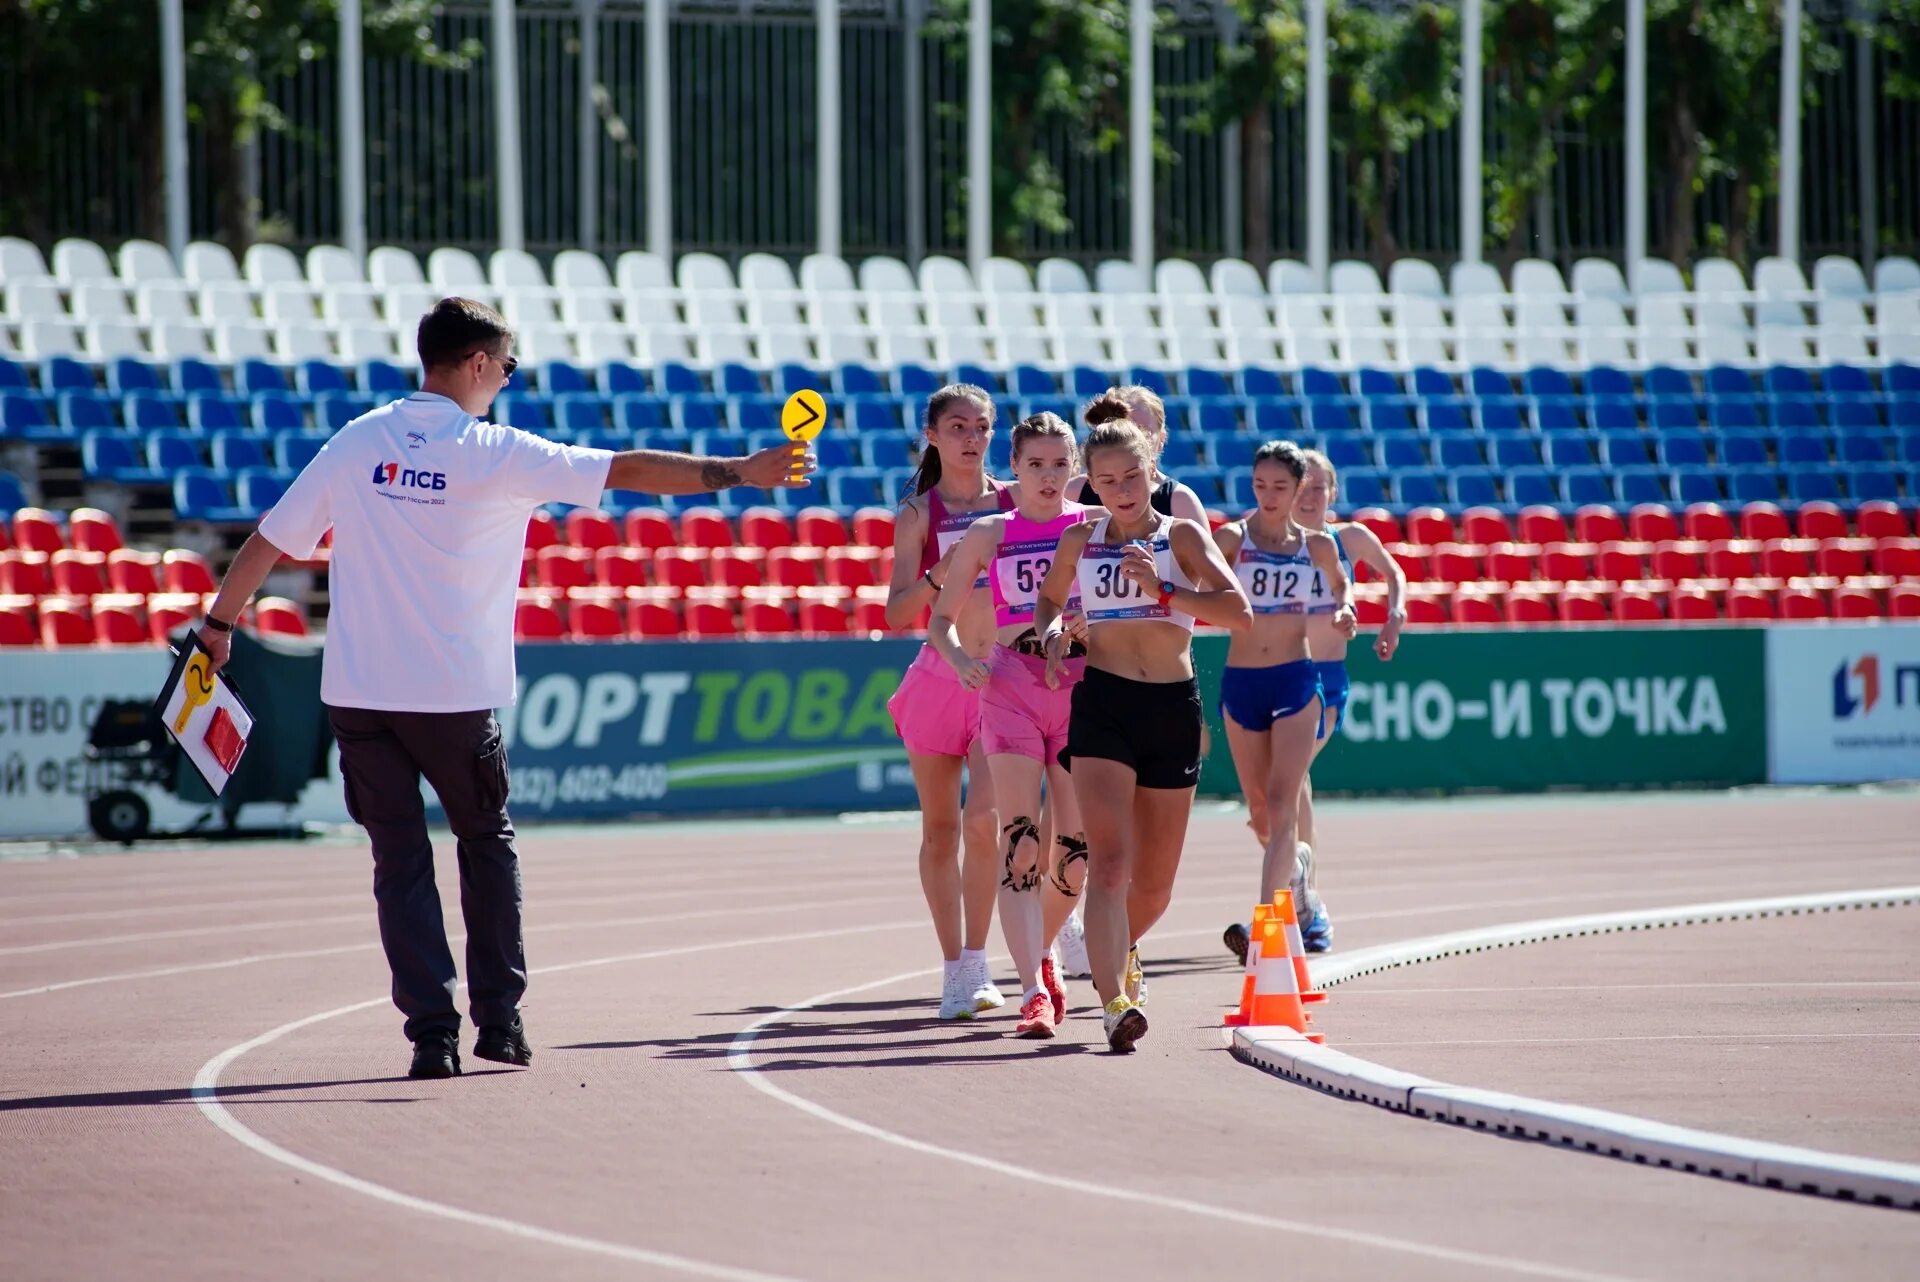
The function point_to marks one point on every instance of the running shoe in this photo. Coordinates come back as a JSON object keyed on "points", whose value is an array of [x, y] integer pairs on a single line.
{"points": [[1126, 1024], [1073, 948], [956, 998], [1238, 938], [1318, 935], [1303, 884], [1050, 980], [1036, 1016], [980, 987], [1136, 979]]}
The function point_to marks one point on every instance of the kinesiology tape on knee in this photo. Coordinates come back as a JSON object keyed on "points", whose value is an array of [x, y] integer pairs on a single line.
{"points": [[1021, 829], [1076, 852]]}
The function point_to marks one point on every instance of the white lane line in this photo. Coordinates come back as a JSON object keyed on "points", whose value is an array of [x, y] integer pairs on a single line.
{"points": [[1640, 1037], [1634, 988], [740, 1060], [206, 1095]]}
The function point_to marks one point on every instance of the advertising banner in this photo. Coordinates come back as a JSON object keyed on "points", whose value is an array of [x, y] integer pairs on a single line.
{"points": [[1528, 709], [1843, 702], [707, 726]]}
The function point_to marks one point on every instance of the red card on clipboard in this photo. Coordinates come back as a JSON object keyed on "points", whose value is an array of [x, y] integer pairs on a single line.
{"points": [[224, 740]]}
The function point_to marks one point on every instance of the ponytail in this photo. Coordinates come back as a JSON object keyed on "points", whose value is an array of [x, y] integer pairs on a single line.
{"points": [[927, 474]]}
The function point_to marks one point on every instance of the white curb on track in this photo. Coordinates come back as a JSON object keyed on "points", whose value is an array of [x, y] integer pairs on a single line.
{"points": [[1287, 1054]]}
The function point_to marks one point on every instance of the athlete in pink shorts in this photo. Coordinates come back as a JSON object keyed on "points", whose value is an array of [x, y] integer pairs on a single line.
{"points": [[937, 717], [1023, 717]]}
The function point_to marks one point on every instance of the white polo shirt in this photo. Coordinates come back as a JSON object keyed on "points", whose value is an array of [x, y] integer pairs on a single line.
{"points": [[429, 508]]}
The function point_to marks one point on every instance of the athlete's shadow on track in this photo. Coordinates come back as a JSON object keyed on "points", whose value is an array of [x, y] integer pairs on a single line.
{"points": [[870, 1044], [254, 1093]]}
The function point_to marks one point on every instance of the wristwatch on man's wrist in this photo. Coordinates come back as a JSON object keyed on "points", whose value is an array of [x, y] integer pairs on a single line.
{"points": [[216, 624]]}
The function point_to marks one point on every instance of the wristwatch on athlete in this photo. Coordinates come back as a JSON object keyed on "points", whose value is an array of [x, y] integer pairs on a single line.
{"points": [[216, 624], [1166, 592]]}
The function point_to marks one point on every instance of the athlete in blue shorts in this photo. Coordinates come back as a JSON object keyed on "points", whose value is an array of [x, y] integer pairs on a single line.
{"points": [[1270, 694], [1328, 643]]}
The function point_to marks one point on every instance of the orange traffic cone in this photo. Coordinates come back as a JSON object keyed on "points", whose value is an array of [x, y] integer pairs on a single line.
{"points": [[1276, 993], [1296, 947], [1239, 1018]]}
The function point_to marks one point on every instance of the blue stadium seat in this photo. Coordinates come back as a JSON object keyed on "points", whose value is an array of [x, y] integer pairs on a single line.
{"points": [[1510, 449], [1804, 447], [65, 374], [1199, 380], [524, 410], [1901, 378], [1810, 485], [1181, 452], [1860, 449], [1445, 414], [1785, 380], [311, 378], [838, 449], [1031, 380], [1234, 453], [672, 378], [618, 378], [1753, 485], [276, 412], [334, 411], [1794, 411], [1641, 485], [1614, 416], [979, 376], [1628, 447], [1084, 382], [255, 375], [1428, 381], [1558, 413], [696, 413], [1275, 420], [1396, 451], [1472, 487], [114, 456], [1256, 381], [1149, 376], [874, 414], [13, 493], [1330, 417], [1457, 449], [201, 495], [1367, 382], [1311, 381], [1388, 414], [13, 376], [916, 381], [292, 451], [1568, 449], [1362, 487], [23, 415], [1665, 380], [887, 450], [384, 379], [1672, 412], [258, 488], [1606, 381], [638, 412], [736, 379], [1724, 412], [1698, 484], [665, 438], [856, 487], [170, 450], [1904, 415], [754, 413], [1681, 447], [1726, 380], [150, 411], [851, 378], [86, 411], [1908, 449], [1216, 416], [1742, 447], [1532, 486], [235, 450], [579, 411], [1872, 484], [1499, 415], [129, 374], [1544, 380], [722, 442], [1853, 413], [1210, 483], [1846, 380], [1485, 381], [561, 378], [1348, 450], [216, 411], [1581, 486]]}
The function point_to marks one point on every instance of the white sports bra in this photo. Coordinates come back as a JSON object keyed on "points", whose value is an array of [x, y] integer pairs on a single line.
{"points": [[1111, 597], [1276, 582]]}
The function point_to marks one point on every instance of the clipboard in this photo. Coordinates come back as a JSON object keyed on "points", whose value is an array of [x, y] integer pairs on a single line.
{"points": [[202, 712]]}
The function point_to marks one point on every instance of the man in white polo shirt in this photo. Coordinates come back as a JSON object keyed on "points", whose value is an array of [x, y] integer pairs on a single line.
{"points": [[428, 505]]}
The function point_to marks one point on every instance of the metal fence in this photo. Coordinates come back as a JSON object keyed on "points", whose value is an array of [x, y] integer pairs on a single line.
{"points": [[742, 151]]}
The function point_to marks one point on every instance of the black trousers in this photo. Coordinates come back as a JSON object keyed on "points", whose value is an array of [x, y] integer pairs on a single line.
{"points": [[383, 756]]}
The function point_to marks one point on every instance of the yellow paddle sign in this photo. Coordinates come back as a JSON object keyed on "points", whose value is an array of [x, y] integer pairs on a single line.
{"points": [[802, 418]]}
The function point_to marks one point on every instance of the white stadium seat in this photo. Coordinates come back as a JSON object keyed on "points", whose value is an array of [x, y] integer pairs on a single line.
{"points": [[273, 265], [1600, 278], [1291, 276], [20, 260], [1415, 276], [99, 300], [173, 339], [1475, 280], [1175, 276], [599, 344], [209, 264], [884, 275], [389, 266], [638, 272], [515, 269], [1061, 276], [940, 274], [45, 336], [1006, 277], [1236, 276], [143, 260], [1538, 277], [455, 272], [109, 340], [1351, 276], [237, 340], [333, 265], [164, 300], [1719, 276], [827, 274], [1657, 276], [75, 260], [766, 274], [1118, 276], [1896, 274]]}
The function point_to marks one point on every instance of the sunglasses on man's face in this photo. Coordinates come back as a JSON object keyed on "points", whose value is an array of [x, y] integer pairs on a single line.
{"points": [[507, 364]]}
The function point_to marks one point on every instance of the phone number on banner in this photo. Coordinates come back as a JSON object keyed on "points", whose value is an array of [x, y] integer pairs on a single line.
{"points": [[543, 787]]}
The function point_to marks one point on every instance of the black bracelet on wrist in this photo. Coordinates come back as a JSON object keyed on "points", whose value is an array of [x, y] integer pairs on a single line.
{"points": [[928, 576], [216, 624]]}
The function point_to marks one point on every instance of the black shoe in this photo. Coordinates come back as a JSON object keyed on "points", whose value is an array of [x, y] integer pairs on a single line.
{"points": [[504, 1044], [436, 1054], [1236, 937]]}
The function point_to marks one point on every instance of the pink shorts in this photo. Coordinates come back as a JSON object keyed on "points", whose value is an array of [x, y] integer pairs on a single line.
{"points": [[935, 715], [1019, 715]]}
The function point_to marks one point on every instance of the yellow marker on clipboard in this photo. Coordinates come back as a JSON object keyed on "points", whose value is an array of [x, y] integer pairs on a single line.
{"points": [[804, 416]]}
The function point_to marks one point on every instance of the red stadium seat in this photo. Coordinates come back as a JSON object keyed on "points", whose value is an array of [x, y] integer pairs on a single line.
{"points": [[652, 620], [536, 620], [1802, 603], [130, 571], [1621, 562], [120, 618], [18, 624], [542, 531], [1597, 523], [763, 618], [1897, 558], [37, 530], [1879, 519], [873, 527], [1821, 520], [1370, 605], [1430, 526], [1582, 607], [853, 567], [737, 568], [93, 530], [621, 567], [823, 618], [1474, 607], [1691, 604], [1679, 559], [6, 537], [796, 567], [184, 571], [1903, 602], [78, 573], [650, 528], [1787, 558], [1843, 558], [705, 527], [1855, 603], [1631, 605], [1485, 525], [1529, 607], [592, 529], [1384, 524], [870, 613], [765, 528], [25, 574], [1567, 562], [1733, 559], [278, 616], [710, 618], [1509, 562], [1457, 562], [168, 612], [1652, 523], [680, 567], [563, 567], [820, 527], [1542, 525], [1415, 562], [1764, 521], [595, 619], [1424, 608], [1708, 521], [1749, 604], [64, 623]]}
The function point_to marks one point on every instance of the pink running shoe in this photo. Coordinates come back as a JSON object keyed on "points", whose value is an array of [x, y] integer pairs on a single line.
{"points": [[1050, 980], [1036, 1017]]}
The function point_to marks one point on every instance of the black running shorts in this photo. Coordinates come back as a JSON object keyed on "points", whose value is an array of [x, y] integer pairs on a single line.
{"points": [[1152, 726]]}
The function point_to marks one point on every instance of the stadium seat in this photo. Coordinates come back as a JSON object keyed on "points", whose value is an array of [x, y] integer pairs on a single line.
{"points": [[1577, 606], [64, 623], [536, 620], [278, 616]]}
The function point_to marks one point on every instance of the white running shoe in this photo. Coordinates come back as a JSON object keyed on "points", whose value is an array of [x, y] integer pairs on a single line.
{"points": [[1073, 949], [1303, 884], [979, 986], [1135, 981], [956, 999], [1125, 1024]]}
